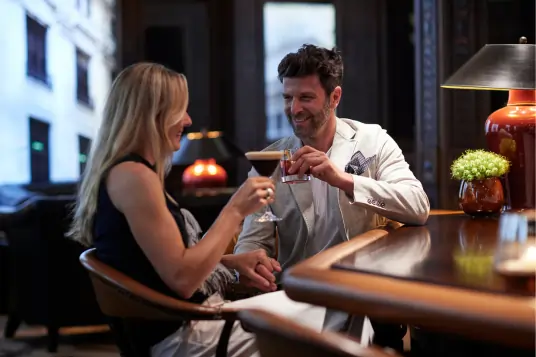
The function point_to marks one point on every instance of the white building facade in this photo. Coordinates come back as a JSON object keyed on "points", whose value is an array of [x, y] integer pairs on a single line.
{"points": [[56, 65]]}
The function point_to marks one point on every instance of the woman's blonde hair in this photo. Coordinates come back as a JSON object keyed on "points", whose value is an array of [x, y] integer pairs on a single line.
{"points": [[145, 101]]}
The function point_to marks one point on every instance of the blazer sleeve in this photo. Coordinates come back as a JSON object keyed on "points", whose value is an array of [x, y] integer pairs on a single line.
{"points": [[395, 193], [256, 235]]}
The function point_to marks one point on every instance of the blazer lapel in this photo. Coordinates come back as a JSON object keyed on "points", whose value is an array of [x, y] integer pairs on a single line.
{"points": [[343, 145]]}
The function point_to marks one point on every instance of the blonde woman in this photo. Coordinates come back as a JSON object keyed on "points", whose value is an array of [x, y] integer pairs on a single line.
{"points": [[123, 211]]}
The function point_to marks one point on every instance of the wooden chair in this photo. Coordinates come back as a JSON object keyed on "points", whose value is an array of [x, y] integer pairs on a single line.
{"points": [[277, 336], [125, 301]]}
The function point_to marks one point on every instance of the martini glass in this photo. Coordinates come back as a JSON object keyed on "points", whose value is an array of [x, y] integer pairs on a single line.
{"points": [[265, 163]]}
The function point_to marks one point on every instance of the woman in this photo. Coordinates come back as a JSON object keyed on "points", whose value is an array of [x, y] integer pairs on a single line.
{"points": [[124, 212]]}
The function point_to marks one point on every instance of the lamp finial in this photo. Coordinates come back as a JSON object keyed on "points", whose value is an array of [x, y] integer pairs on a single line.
{"points": [[523, 40]]}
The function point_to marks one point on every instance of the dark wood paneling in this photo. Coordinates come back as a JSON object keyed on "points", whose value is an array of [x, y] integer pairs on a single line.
{"points": [[448, 33], [426, 14], [130, 26], [221, 18], [463, 112], [361, 36]]}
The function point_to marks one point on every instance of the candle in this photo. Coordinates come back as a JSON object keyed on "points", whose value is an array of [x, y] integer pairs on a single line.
{"points": [[525, 265], [529, 254]]}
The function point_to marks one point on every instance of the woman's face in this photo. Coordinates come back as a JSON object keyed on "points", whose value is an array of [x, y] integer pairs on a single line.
{"points": [[175, 132]]}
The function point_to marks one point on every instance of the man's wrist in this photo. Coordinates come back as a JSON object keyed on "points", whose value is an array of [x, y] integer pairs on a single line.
{"points": [[346, 184]]}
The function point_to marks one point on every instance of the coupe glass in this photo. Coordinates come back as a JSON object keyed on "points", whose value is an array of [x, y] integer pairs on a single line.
{"points": [[265, 163]]}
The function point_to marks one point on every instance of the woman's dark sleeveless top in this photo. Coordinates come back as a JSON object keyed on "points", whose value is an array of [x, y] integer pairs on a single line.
{"points": [[115, 246]]}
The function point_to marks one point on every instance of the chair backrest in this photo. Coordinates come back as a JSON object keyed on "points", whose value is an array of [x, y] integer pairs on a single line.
{"points": [[44, 263], [126, 302], [280, 337], [53, 188], [121, 296]]}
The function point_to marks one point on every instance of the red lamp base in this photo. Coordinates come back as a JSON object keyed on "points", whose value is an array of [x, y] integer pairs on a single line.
{"points": [[204, 174], [510, 131]]}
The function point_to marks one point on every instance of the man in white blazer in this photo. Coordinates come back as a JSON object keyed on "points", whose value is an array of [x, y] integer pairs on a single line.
{"points": [[349, 204], [360, 177]]}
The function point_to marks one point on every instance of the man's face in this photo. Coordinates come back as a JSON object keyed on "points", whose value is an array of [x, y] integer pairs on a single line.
{"points": [[307, 106]]}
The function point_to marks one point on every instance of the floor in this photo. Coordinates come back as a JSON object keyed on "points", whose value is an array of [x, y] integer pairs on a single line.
{"points": [[94, 341]]}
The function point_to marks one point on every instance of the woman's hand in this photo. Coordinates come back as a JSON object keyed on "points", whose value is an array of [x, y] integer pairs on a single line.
{"points": [[254, 194], [256, 269]]}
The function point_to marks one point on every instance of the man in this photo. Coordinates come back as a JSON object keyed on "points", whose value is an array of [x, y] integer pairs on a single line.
{"points": [[360, 177]]}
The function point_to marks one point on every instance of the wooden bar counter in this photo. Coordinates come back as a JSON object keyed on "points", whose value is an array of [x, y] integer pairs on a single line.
{"points": [[439, 276]]}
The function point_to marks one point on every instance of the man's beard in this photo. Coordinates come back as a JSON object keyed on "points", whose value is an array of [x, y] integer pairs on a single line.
{"points": [[315, 123]]}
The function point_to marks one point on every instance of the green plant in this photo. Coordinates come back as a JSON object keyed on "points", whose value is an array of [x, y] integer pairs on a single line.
{"points": [[479, 165]]}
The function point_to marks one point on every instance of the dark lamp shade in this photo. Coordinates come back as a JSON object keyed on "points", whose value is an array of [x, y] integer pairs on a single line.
{"points": [[497, 67], [205, 145]]}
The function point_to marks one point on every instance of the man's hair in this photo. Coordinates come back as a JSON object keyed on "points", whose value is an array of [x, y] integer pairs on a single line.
{"points": [[311, 60]]}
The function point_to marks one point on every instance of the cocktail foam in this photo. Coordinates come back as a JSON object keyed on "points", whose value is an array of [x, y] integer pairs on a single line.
{"points": [[264, 155]]}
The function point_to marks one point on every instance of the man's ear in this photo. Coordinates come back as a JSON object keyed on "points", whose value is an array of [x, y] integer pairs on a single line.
{"points": [[336, 97]]}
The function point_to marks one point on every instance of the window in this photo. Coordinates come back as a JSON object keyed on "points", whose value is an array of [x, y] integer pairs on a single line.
{"points": [[36, 65], [82, 78], [280, 121], [287, 26], [84, 145], [39, 153]]}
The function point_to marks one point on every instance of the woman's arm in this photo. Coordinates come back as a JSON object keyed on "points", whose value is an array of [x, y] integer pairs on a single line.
{"points": [[137, 192]]}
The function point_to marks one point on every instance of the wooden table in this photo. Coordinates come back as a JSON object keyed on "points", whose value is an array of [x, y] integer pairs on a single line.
{"points": [[439, 276]]}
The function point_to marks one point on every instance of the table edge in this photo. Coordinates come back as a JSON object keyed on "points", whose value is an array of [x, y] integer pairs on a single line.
{"points": [[461, 310]]}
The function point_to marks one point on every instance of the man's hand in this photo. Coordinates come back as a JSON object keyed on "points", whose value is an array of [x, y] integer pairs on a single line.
{"points": [[321, 167], [255, 269]]}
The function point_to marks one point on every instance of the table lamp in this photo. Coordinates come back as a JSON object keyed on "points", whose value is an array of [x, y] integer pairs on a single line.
{"points": [[510, 131], [203, 151]]}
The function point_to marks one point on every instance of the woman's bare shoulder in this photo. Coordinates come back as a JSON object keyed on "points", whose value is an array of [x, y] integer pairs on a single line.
{"points": [[129, 182]]}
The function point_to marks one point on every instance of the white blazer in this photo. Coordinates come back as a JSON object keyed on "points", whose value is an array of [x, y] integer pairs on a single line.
{"points": [[384, 188]]}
